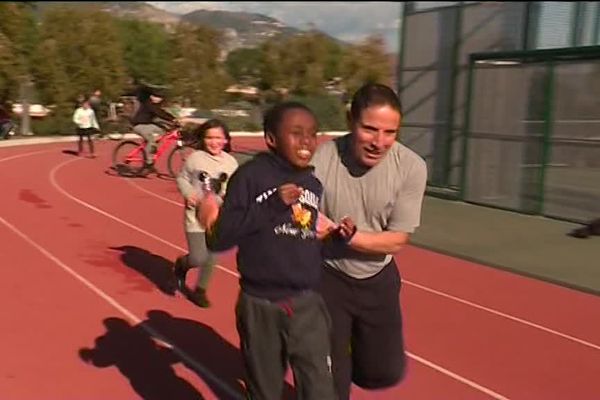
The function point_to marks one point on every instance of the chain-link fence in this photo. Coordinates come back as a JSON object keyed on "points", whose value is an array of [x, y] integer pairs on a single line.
{"points": [[534, 133], [497, 124]]}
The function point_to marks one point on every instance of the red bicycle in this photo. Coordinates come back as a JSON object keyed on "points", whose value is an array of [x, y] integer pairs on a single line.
{"points": [[129, 157]]}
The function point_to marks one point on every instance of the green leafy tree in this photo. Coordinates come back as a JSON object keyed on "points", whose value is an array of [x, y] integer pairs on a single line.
{"points": [[86, 54], [17, 23], [367, 62], [89, 52], [11, 70], [245, 65], [196, 73], [17, 40], [146, 50], [302, 63], [330, 111], [272, 73]]}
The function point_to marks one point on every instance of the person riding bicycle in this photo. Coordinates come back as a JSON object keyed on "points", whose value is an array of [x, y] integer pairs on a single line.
{"points": [[150, 120]]}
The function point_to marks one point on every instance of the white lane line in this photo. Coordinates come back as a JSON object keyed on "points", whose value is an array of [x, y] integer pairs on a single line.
{"points": [[158, 196], [428, 363], [503, 315], [114, 218], [459, 378], [123, 310], [31, 153]]}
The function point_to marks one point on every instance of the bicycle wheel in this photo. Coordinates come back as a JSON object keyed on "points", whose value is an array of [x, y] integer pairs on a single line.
{"points": [[129, 158], [177, 158]]}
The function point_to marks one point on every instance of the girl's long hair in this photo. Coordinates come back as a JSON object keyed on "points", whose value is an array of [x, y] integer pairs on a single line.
{"points": [[200, 133]]}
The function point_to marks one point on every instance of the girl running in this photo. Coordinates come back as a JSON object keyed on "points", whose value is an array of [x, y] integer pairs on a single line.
{"points": [[213, 165]]}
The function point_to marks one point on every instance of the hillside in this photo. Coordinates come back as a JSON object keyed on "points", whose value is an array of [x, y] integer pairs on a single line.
{"points": [[240, 29]]}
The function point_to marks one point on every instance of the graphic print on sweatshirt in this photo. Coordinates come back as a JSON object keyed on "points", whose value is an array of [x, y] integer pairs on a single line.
{"points": [[201, 177], [302, 218]]}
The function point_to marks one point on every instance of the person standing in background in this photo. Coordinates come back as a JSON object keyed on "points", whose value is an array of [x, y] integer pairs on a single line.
{"points": [[85, 119], [96, 104]]}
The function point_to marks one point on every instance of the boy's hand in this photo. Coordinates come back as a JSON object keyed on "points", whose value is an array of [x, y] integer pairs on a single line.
{"points": [[191, 201], [207, 211], [325, 226], [289, 193]]}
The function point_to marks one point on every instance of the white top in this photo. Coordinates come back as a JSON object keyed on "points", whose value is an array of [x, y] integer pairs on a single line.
{"points": [[85, 118], [187, 181]]}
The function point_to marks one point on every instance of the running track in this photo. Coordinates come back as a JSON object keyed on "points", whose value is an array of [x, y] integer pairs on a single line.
{"points": [[86, 313]]}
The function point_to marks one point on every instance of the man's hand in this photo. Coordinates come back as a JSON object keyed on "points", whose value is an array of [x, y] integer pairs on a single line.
{"points": [[289, 193], [347, 229], [207, 211]]}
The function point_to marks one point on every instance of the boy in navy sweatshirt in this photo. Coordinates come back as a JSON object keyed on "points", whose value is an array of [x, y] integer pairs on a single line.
{"points": [[270, 212]]}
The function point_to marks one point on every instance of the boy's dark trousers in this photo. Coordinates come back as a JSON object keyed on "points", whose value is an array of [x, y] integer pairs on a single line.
{"points": [[295, 330]]}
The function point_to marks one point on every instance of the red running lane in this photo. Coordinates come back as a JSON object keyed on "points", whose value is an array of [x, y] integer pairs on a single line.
{"points": [[86, 242], [456, 313], [68, 175]]}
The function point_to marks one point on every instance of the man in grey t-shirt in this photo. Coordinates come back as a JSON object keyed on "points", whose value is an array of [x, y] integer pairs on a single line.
{"points": [[379, 183]]}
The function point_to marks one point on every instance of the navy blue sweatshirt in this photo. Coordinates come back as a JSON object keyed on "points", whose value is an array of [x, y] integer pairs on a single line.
{"points": [[278, 255]]}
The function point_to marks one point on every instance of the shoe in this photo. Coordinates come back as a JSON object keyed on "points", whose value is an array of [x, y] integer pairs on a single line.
{"points": [[149, 169], [581, 233], [180, 272], [198, 297]]}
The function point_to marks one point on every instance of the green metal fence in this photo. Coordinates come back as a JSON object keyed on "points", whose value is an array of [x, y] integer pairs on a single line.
{"points": [[498, 123], [533, 132]]}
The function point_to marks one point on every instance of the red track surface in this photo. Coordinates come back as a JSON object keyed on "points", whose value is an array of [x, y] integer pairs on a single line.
{"points": [[86, 255]]}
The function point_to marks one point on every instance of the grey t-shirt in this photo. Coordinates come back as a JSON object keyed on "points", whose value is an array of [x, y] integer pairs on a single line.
{"points": [[187, 181], [387, 197]]}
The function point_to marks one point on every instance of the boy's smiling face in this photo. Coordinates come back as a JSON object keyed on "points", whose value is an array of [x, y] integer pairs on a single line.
{"points": [[296, 139]]}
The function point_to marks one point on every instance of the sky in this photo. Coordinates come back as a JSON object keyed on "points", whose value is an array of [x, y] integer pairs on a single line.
{"points": [[347, 21]]}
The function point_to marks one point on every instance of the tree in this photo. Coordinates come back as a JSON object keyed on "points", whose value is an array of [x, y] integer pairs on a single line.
{"points": [[89, 53], [146, 50], [196, 73], [366, 62], [302, 63], [245, 65], [85, 56], [18, 26], [17, 40], [11, 69]]}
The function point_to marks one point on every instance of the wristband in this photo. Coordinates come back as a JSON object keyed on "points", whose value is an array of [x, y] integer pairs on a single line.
{"points": [[352, 234]]}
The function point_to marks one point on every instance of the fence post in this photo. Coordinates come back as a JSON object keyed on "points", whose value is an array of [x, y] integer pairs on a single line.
{"points": [[466, 127], [547, 135]]}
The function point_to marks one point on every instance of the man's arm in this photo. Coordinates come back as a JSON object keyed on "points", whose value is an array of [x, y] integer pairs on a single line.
{"points": [[160, 113], [379, 242]]}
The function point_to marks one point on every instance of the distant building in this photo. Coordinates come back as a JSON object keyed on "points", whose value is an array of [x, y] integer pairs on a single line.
{"points": [[35, 110]]}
